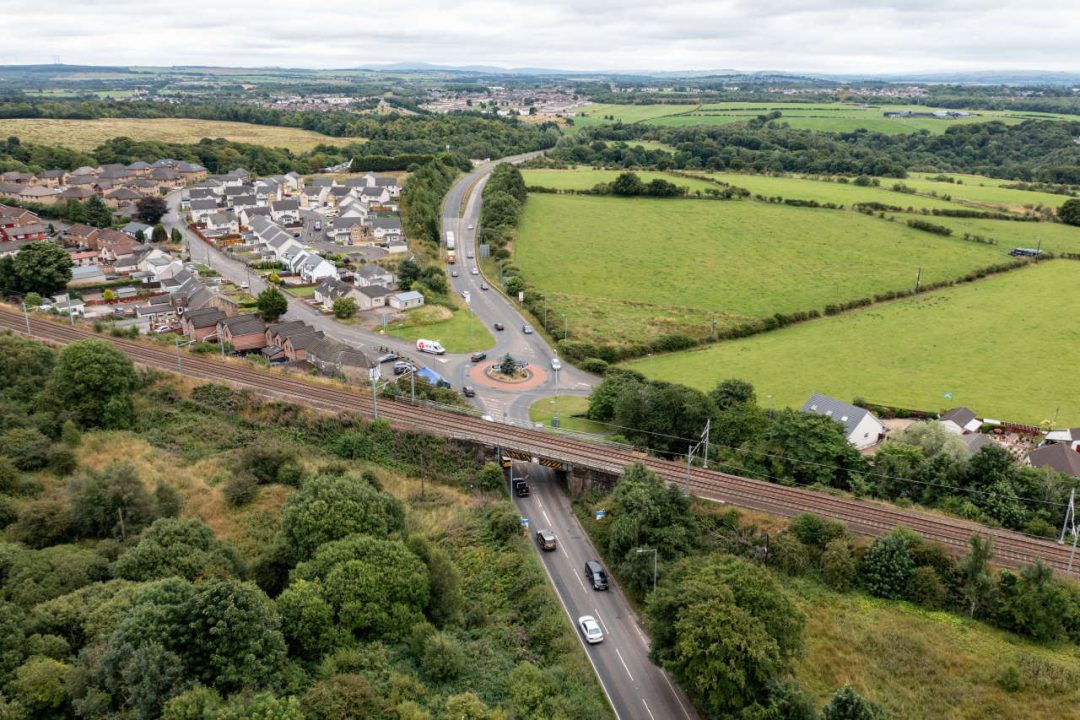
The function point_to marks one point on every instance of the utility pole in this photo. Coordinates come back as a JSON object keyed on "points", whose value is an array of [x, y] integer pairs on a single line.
{"points": [[705, 458], [689, 457], [373, 373], [179, 361], [26, 316], [1069, 526], [412, 382]]}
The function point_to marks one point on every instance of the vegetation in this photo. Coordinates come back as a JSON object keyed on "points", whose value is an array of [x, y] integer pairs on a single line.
{"points": [[40, 267], [271, 304]]}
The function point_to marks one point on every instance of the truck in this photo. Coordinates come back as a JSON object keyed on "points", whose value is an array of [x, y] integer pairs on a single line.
{"points": [[430, 346], [450, 240], [451, 258]]}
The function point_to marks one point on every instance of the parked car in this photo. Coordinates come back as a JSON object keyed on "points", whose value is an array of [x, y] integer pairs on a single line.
{"points": [[595, 575], [478, 356], [243, 286], [546, 540], [527, 329], [160, 329], [401, 367], [590, 629], [389, 357], [499, 326], [555, 364], [468, 391]]}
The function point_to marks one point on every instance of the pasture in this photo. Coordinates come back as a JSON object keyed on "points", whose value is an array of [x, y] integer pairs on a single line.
{"points": [[830, 117], [88, 134], [627, 269], [585, 179], [996, 345]]}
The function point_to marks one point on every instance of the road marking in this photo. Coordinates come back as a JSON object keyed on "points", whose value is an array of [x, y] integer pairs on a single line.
{"points": [[644, 637], [675, 693], [626, 668], [601, 621], [647, 708], [544, 513], [578, 578]]}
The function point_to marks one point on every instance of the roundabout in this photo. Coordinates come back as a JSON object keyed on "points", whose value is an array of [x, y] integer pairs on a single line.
{"points": [[489, 374]]}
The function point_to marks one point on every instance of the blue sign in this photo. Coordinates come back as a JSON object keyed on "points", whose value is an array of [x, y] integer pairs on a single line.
{"points": [[525, 522], [601, 514]]}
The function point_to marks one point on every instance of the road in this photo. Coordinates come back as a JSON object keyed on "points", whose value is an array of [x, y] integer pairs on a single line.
{"points": [[635, 686], [461, 215]]}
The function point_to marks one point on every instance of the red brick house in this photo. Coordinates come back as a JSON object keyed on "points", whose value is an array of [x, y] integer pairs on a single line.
{"points": [[243, 332], [200, 324]]}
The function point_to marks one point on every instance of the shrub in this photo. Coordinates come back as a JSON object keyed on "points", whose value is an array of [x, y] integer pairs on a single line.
{"points": [[504, 521], [838, 565], [927, 589], [444, 658], [815, 531], [887, 567], [1010, 680], [490, 477], [788, 554], [240, 489], [594, 365]]}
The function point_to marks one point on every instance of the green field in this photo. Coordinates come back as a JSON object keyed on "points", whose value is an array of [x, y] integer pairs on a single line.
{"points": [[461, 332], [982, 191], [625, 270], [998, 346], [88, 134], [564, 407], [832, 117], [585, 179]]}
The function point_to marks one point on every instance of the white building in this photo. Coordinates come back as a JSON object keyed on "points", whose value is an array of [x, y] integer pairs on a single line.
{"points": [[861, 428]]}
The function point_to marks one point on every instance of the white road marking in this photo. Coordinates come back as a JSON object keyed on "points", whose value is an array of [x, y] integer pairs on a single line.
{"points": [[625, 667], [544, 513], [644, 637], [578, 578], [676, 694], [601, 621], [647, 708]]}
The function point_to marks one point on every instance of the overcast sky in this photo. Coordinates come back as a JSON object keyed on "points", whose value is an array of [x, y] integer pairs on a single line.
{"points": [[838, 36]]}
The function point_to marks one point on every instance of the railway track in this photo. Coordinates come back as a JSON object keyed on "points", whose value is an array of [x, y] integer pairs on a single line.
{"points": [[862, 517]]}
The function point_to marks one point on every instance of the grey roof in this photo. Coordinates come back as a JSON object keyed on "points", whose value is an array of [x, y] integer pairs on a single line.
{"points": [[204, 317], [285, 205], [960, 415], [244, 324], [372, 191], [320, 182], [370, 272], [286, 328], [1058, 456], [375, 291], [385, 182], [204, 204], [847, 415], [387, 223], [221, 218], [976, 441], [301, 341], [244, 200], [139, 165], [133, 227], [327, 352]]}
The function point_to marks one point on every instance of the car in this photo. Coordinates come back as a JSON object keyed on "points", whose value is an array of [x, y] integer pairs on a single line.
{"points": [[453, 273], [499, 326], [555, 364], [160, 329], [243, 286], [472, 227], [484, 286], [527, 329], [467, 295], [318, 225], [401, 367], [590, 629], [475, 271], [469, 254], [595, 575], [468, 391], [546, 540], [389, 357], [478, 356]]}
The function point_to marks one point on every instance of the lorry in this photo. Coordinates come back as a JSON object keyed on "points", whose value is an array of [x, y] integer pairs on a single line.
{"points": [[449, 240], [450, 257], [429, 346]]}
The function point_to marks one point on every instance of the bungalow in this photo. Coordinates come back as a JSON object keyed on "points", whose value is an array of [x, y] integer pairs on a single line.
{"points": [[134, 228], [1059, 457], [861, 428], [296, 345], [406, 300], [1070, 438], [286, 212], [372, 296], [202, 209], [396, 246], [201, 324], [334, 358], [65, 305], [244, 332], [375, 275], [960, 421], [82, 258], [155, 313]]}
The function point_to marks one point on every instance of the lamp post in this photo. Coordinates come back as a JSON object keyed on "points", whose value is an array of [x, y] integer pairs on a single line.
{"points": [[653, 551]]}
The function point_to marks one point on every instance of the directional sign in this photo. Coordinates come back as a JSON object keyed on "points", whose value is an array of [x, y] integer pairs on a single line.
{"points": [[601, 514], [525, 522]]}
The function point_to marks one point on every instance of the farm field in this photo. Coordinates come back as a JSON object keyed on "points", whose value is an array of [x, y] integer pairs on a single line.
{"points": [[630, 269], [585, 179], [975, 189], [831, 117], [990, 343], [88, 134], [1055, 237]]}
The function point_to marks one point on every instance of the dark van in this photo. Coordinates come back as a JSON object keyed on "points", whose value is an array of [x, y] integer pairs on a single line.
{"points": [[594, 573]]}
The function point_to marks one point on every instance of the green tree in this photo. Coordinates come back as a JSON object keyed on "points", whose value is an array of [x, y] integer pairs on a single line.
{"points": [[307, 620], [150, 209], [263, 706], [888, 566], [838, 565], [199, 703], [627, 184], [1033, 603], [271, 304], [176, 236], [490, 477], [1069, 212], [508, 366], [978, 583], [330, 507], [41, 683], [41, 267], [345, 308], [159, 234], [178, 547], [443, 658], [466, 706], [732, 393], [846, 704], [447, 598], [110, 503], [807, 449], [88, 374], [97, 213], [605, 396], [32, 300], [933, 439], [345, 697]]}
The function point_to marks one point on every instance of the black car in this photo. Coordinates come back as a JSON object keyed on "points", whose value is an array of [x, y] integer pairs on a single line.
{"points": [[546, 540], [521, 488], [499, 326], [468, 391], [478, 356], [402, 367], [595, 575], [389, 357]]}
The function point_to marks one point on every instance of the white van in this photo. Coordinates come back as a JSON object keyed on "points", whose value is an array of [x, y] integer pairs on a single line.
{"points": [[429, 346]]}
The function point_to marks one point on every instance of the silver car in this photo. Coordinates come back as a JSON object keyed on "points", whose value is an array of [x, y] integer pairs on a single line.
{"points": [[590, 629]]}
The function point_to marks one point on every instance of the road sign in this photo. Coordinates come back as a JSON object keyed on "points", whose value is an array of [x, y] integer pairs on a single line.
{"points": [[525, 522], [601, 514], [374, 373]]}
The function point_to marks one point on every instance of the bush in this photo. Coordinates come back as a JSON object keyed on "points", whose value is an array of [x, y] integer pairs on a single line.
{"points": [[504, 521], [490, 477], [240, 490], [1010, 680], [838, 565], [927, 589], [887, 567], [815, 531], [444, 658], [594, 365], [789, 555], [266, 464]]}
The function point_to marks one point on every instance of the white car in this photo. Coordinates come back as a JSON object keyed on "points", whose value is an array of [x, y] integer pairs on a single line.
{"points": [[555, 364], [469, 254], [162, 329], [472, 227], [590, 629], [467, 295], [475, 271]]}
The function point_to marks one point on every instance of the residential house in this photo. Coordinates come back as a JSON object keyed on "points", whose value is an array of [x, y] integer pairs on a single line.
{"points": [[294, 182], [350, 230], [372, 296], [372, 196], [375, 275], [51, 178], [87, 274], [312, 267], [39, 194], [10, 190], [166, 178], [201, 324], [82, 258], [156, 312], [396, 246], [244, 332], [221, 223], [406, 300], [1059, 457], [202, 209], [386, 228], [1070, 438], [65, 305], [331, 289], [313, 198], [134, 228], [77, 193], [976, 442], [248, 215], [243, 202], [191, 172], [296, 345], [277, 333], [81, 234], [18, 178], [960, 421], [285, 212], [24, 234], [861, 428], [337, 359]]}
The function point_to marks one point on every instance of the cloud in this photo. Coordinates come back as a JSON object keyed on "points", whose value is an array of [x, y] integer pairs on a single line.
{"points": [[826, 36]]}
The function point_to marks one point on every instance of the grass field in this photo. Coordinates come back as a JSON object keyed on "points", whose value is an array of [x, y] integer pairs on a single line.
{"points": [[459, 333], [925, 665], [631, 269], [982, 190], [832, 117], [997, 345], [564, 406], [88, 134], [585, 179]]}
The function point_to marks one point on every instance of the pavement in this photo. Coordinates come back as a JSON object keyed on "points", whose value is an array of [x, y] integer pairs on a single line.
{"points": [[636, 688]]}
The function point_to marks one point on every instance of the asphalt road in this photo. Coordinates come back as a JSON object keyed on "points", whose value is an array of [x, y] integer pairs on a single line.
{"points": [[636, 688]]}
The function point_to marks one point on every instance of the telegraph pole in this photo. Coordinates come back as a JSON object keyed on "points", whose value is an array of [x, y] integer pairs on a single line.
{"points": [[26, 316], [1070, 526]]}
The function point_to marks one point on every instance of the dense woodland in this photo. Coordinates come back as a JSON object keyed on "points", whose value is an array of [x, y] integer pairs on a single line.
{"points": [[316, 594]]}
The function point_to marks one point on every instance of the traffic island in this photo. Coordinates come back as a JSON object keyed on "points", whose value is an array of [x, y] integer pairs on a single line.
{"points": [[524, 376]]}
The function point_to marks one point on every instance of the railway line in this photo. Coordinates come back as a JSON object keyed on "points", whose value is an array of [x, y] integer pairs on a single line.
{"points": [[863, 517]]}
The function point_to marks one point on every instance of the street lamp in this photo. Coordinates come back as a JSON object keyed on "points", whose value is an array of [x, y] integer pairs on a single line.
{"points": [[653, 551]]}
